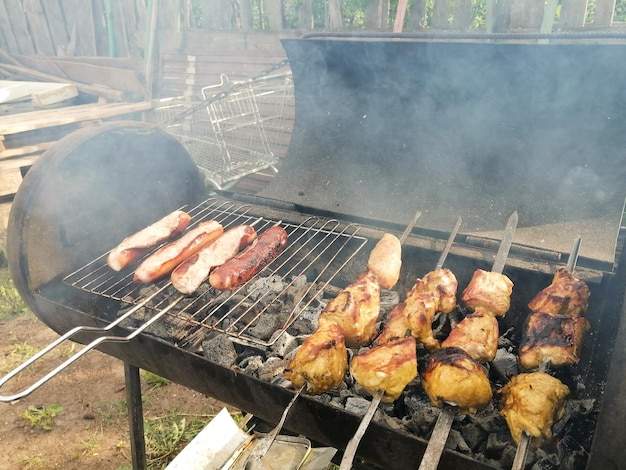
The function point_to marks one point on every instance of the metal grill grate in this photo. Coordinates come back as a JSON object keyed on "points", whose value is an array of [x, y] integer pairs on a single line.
{"points": [[317, 251], [245, 130]]}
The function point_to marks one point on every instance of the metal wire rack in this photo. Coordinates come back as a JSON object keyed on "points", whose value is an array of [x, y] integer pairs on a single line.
{"points": [[244, 128], [317, 252]]}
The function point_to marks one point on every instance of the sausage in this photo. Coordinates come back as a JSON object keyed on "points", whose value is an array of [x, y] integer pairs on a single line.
{"points": [[241, 268], [166, 258], [192, 272], [138, 244]]}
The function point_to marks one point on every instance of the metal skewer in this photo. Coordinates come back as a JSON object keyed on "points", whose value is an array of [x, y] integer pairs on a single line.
{"points": [[519, 461], [438, 438], [261, 448], [353, 444], [266, 442]]}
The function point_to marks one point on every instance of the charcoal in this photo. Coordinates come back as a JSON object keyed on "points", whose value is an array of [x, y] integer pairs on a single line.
{"points": [[284, 344], [550, 462], [508, 455], [572, 455], [221, 350], [251, 365], [473, 434], [504, 365], [262, 288], [496, 442], [357, 405], [489, 419], [271, 369], [456, 442], [265, 327], [388, 300]]}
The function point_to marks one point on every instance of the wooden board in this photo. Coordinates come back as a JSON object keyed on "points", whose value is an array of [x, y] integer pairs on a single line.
{"points": [[39, 27], [15, 13], [23, 122], [11, 174]]}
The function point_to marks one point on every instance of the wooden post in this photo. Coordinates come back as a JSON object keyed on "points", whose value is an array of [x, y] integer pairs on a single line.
{"points": [[398, 25]]}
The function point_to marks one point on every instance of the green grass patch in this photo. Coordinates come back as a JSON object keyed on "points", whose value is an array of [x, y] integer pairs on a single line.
{"points": [[153, 379], [41, 416], [166, 436], [11, 302]]}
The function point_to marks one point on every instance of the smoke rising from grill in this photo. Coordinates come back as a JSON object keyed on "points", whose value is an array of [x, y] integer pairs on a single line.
{"points": [[478, 130]]}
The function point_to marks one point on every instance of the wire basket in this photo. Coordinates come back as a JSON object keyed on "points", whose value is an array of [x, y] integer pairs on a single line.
{"points": [[244, 128]]}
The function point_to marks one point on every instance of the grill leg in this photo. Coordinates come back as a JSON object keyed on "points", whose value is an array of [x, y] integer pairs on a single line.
{"points": [[135, 416]]}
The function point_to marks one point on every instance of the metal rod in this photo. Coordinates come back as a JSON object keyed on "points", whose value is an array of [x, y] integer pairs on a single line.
{"points": [[449, 243], [350, 452], [438, 439], [135, 416], [524, 444], [353, 445], [261, 448]]}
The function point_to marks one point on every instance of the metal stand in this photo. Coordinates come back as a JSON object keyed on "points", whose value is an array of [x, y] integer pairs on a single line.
{"points": [[135, 416]]}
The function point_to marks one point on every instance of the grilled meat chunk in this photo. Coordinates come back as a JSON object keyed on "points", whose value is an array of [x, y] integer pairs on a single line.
{"points": [[435, 292], [389, 367], [532, 403], [450, 375], [553, 338], [477, 334], [385, 260], [489, 290], [566, 295], [355, 310], [321, 361], [414, 315], [440, 282]]}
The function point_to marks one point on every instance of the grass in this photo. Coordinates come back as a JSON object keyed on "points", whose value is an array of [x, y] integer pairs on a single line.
{"points": [[33, 462], [11, 303], [166, 436], [41, 416], [154, 380]]}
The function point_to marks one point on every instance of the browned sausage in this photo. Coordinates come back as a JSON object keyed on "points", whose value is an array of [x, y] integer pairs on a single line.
{"points": [[166, 258], [138, 244], [240, 269], [192, 272]]}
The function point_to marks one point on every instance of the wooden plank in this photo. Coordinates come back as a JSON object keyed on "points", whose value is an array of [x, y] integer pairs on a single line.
{"points": [[15, 123], [132, 24], [417, 14], [10, 43], [441, 14], [100, 22], [38, 27], [526, 14], [25, 150], [604, 13], [79, 17], [463, 15], [91, 89], [19, 26], [56, 25], [573, 14]]}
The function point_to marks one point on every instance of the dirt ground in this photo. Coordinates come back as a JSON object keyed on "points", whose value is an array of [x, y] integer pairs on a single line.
{"points": [[91, 430]]}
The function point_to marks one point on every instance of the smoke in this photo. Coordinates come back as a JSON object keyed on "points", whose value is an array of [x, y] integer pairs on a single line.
{"points": [[471, 129]]}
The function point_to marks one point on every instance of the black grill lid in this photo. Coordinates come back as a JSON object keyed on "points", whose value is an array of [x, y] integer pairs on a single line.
{"points": [[385, 127]]}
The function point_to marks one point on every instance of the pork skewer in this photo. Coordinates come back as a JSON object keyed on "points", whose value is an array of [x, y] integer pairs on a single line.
{"points": [[400, 367], [440, 433], [557, 389]]}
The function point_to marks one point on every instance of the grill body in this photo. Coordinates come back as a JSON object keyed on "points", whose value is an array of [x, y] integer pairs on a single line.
{"points": [[100, 184]]}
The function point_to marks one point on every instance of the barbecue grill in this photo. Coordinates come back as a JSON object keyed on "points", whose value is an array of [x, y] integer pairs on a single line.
{"points": [[384, 126]]}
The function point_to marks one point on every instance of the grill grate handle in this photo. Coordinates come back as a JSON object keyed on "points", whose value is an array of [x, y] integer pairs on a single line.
{"points": [[72, 333]]}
